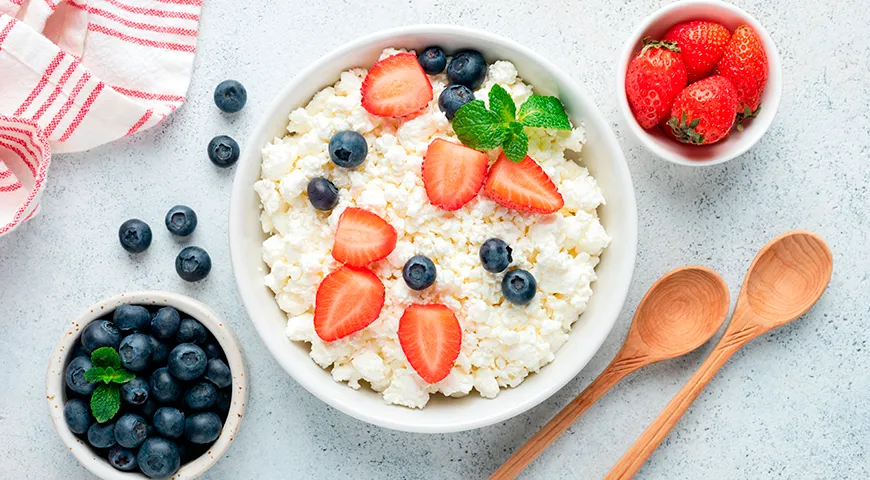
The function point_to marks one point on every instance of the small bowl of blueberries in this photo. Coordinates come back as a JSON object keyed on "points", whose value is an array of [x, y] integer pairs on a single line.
{"points": [[147, 385]]}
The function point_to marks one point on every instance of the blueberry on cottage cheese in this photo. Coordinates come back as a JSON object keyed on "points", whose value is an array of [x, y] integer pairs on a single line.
{"points": [[223, 151], [230, 96], [348, 149], [169, 422], [75, 376], [180, 220], [165, 323], [453, 98], [122, 459], [100, 333], [135, 392], [158, 458], [322, 194], [165, 388], [192, 264], [202, 427], [78, 416], [433, 60], [191, 331], [200, 396], [495, 255], [187, 362], [419, 272], [468, 68], [135, 352], [130, 430], [102, 435], [135, 235], [519, 286]]}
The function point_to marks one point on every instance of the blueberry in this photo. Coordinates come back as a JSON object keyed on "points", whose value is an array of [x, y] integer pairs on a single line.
{"points": [[181, 220], [79, 350], [468, 68], [200, 396], [75, 376], [130, 430], [165, 323], [223, 151], [131, 317], [135, 235], [101, 435], [187, 362], [348, 149], [135, 352], [519, 286], [213, 350], [322, 194], [419, 272], [202, 427], [164, 387], [147, 409], [158, 458], [495, 255], [230, 96], [78, 415], [224, 397], [218, 373], [169, 422], [123, 459], [192, 264], [160, 351], [136, 391], [453, 98], [100, 333], [191, 331], [433, 60]]}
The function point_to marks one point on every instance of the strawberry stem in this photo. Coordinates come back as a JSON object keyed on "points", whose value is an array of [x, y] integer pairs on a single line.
{"points": [[745, 114], [684, 129], [649, 43]]}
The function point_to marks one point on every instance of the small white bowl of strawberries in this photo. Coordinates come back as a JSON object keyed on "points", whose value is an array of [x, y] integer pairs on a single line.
{"points": [[699, 82]]}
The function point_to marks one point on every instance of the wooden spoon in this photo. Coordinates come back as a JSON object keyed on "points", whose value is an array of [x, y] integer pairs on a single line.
{"points": [[678, 314], [786, 278]]}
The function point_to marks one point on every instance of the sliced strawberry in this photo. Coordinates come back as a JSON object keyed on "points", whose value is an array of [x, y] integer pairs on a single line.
{"points": [[431, 338], [348, 300], [452, 173], [522, 186], [362, 238], [396, 86]]}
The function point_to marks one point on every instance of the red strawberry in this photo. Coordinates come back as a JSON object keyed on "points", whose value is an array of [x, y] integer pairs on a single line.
{"points": [[431, 338], [453, 173], [348, 300], [362, 238], [701, 45], [396, 86], [745, 64], [703, 113], [522, 186], [654, 77]]}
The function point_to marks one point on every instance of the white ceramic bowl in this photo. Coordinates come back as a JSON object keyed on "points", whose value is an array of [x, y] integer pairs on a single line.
{"points": [[602, 156], [55, 389], [655, 26]]}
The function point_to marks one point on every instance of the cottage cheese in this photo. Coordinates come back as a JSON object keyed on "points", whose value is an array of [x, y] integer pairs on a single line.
{"points": [[502, 343]]}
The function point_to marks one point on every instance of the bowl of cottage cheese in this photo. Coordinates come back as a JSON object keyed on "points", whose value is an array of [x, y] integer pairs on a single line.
{"points": [[295, 267]]}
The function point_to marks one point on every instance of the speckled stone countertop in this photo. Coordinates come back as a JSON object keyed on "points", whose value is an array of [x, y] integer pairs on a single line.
{"points": [[793, 404]]}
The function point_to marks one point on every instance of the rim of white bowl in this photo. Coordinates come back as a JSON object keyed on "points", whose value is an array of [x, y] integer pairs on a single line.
{"points": [[237, 211], [56, 391], [756, 130]]}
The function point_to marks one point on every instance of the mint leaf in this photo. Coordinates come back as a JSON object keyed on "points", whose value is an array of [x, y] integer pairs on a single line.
{"points": [[501, 103], [106, 357], [105, 402], [544, 112], [97, 374], [477, 127], [122, 376], [516, 144]]}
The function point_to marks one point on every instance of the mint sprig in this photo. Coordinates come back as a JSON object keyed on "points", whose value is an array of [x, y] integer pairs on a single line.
{"points": [[501, 126], [106, 399]]}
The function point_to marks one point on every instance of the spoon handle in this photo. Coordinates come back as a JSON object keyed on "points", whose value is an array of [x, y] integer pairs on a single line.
{"points": [[621, 366], [635, 457]]}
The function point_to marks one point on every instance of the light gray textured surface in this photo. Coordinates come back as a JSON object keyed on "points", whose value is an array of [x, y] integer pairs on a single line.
{"points": [[794, 404]]}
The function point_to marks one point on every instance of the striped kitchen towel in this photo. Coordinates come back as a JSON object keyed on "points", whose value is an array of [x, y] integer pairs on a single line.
{"points": [[75, 74]]}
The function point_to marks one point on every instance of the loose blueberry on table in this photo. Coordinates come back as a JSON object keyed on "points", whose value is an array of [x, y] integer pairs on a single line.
{"points": [[135, 236], [140, 411], [230, 96], [193, 264], [223, 151], [181, 220]]}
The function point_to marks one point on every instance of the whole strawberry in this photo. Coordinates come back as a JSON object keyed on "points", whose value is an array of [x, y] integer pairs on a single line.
{"points": [[745, 64], [654, 77], [701, 46], [703, 113]]}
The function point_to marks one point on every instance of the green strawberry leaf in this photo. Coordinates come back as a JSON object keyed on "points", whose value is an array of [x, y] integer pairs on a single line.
{"points": [[501, 103], [516, 144], [106, 357], [105, 402], [544, 112], [477, 127]]}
